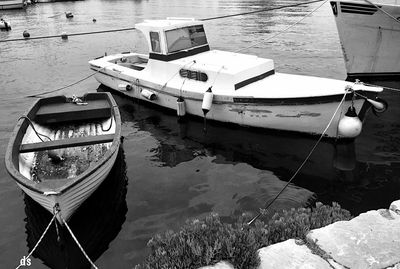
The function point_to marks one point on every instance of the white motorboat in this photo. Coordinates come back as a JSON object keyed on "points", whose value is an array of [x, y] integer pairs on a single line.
{"points": [[182, 73], [62, 150], [12, 4], [369, 32]]}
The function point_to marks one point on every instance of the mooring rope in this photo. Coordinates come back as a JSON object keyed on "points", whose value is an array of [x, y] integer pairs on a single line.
{"points": [[286, 29], [382, 10], [384, 87], [258, 11], [73, 34], [67, 86], [77, 242], [62, 88], [133, 28], [40, 239], [302, 164]]}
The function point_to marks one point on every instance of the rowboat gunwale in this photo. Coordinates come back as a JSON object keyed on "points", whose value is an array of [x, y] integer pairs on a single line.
{"points": [[12, 152]]}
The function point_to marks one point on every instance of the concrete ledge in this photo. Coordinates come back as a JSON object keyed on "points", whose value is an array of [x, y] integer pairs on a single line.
{"points": [[371, 240], [395, 207], [220, 265], [289, 254]]}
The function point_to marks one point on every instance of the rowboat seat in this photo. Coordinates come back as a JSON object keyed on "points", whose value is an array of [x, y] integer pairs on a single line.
{"points": [[56, 113], [66, 143]]}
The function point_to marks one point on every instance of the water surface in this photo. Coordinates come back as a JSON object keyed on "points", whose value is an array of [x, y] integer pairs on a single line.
{"points": [[173, 171]]}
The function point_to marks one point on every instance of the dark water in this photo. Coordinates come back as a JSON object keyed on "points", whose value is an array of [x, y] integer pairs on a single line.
{"points": [[170, 171]]}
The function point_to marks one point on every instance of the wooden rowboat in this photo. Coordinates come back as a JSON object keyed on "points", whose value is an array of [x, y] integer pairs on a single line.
{"points": [[63, 148]]}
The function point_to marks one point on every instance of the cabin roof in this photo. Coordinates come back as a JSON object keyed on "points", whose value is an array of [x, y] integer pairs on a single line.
{"points": [[167, 24]]}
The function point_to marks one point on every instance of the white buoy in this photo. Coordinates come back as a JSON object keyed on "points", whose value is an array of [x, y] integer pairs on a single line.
{"points": [[148, 94], [378, 105], [124, 86], [180, 107], [350, 125], [207, 101]]}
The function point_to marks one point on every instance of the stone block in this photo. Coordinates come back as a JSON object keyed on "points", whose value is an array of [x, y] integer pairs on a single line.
{"points": [[371, 240], [289, 254], [220, 265], [395, 206]]}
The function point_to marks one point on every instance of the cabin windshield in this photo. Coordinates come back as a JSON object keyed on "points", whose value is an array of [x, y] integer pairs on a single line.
{"points": [[185, 38]]}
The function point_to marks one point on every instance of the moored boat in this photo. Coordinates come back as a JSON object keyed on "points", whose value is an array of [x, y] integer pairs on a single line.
{"points": [[182, 73], [369, 33], [63, 148], [12, 4]]}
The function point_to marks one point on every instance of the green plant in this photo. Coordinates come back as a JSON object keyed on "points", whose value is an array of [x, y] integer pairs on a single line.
{"points": [[205, 242]]}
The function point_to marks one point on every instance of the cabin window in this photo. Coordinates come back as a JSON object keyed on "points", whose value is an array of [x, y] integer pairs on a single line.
{"points": [[185, 38], [196, 75], [155, 42]]}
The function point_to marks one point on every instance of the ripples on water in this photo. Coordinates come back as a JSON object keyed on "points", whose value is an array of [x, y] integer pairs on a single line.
{"points": [[175, 171]]}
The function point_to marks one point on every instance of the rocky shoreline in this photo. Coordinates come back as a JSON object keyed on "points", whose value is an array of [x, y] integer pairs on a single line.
{"points": [[370, 240]]}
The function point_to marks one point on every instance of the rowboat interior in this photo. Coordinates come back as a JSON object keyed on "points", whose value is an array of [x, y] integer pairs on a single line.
{"points": [[63, 140]]}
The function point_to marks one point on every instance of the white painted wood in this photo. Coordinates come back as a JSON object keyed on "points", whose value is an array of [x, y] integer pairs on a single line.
{"points": [[370, 43]]}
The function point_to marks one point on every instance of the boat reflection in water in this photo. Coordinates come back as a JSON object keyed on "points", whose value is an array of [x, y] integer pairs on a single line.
{"points": [[262, 161], [95, 224]]}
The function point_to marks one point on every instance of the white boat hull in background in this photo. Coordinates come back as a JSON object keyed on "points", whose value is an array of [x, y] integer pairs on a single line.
{"points": [[370, 39]]}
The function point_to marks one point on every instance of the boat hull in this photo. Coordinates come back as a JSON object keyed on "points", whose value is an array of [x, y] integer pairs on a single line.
{"points": [[308, 116], [62, 149], [369, 38], [69, 201], [12, 4]]}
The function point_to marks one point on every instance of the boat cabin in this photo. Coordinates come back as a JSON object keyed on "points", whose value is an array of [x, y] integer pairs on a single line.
{"points": [[173, 38], [178, 42], [180, 46]]}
